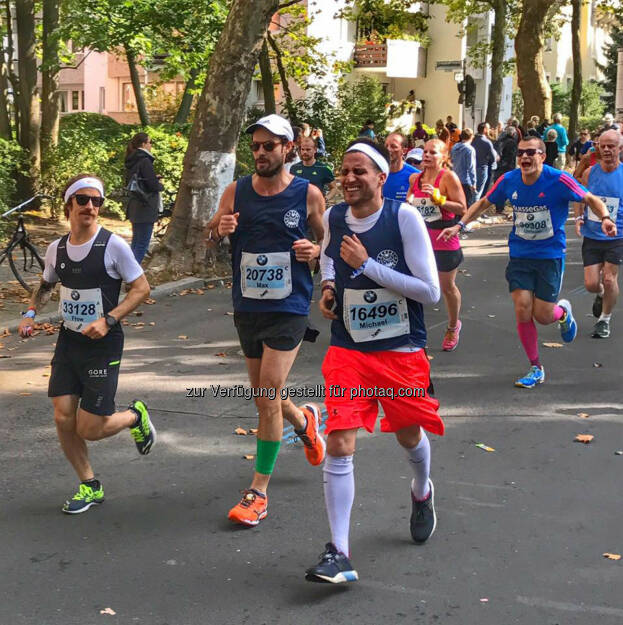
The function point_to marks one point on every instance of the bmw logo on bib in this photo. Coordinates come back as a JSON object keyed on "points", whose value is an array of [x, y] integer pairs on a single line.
{"points": [[262, 260], [291, 219], [370, 297], [530, 217], [75, 295], [389, 258]]}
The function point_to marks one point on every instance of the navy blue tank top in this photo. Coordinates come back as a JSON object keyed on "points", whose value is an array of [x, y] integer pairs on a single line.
{"points": [[89, 273], [266, 275], [370, 312]]}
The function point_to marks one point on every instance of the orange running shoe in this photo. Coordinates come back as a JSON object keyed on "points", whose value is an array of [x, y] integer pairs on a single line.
{"points": [[251, 509], [315, 447]]}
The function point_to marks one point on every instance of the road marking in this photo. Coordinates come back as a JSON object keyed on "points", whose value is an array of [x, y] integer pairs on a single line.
{"points": [[481, 485]]}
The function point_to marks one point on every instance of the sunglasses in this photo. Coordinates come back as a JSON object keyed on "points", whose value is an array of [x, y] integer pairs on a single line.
{"points": [[268, 146], [83, 200], [528, 152]]}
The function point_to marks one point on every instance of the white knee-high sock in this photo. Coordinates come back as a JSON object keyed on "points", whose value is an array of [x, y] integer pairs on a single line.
{"points": [[419, 459], [339, 494]]}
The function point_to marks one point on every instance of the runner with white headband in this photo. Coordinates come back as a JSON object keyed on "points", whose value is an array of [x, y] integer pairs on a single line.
{"points": [[378, 270], [90, 262]]}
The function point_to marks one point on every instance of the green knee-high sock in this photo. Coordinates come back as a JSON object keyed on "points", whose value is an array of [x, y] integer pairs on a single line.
{"points": [[267, 452]]}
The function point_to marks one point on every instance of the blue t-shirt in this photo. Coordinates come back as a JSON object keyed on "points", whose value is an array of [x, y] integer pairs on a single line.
{"points": [[396, 186], [609, 188], [540, 211]]}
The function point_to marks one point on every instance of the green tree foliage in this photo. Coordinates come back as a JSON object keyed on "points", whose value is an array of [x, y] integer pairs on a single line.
{"points": [[342, 117], [591, 103], [609, 69], [379, 20], [98, 144]]}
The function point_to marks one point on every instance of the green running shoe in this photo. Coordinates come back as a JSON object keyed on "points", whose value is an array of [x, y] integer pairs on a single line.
{"points": [[144, 434], [84, 499]]}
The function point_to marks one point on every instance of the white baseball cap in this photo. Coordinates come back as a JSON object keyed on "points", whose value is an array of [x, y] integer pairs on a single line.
{"points": [[273, 123], [416, 153]]}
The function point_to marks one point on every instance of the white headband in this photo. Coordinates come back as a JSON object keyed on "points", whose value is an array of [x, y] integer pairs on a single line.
{"points": [[369, 151], [84, 183]]}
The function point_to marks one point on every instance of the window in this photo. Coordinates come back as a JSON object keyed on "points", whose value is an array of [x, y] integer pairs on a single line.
{"points": [[127, 97], [75, 100], [62, 101], [102, 104]]}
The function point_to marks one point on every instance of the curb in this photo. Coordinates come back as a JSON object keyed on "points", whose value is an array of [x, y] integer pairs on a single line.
{"points": [[162, 290]]}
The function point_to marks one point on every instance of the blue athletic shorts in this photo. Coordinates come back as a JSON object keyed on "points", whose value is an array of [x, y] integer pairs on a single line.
{"points": [[542, 276]]}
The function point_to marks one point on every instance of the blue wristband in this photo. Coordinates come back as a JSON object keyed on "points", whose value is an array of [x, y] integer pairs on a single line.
{"points": [[361, 269]]}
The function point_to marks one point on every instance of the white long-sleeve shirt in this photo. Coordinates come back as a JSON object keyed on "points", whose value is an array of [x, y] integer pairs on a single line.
{"points": [[423, 285]]}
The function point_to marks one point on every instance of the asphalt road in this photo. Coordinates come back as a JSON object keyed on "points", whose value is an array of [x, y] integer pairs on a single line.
{"points": [[521, 530]]}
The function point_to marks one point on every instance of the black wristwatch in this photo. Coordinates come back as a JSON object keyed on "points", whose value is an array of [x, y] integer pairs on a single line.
{"points": [[111, 321]]}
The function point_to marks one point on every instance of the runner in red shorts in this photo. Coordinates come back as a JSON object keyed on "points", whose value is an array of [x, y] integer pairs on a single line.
{"points": [[378, 270]]}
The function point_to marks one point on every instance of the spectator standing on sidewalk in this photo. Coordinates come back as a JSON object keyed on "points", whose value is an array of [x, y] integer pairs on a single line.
{"points": [[142, 213], [561, 139], [485, 157], [463, 158]]}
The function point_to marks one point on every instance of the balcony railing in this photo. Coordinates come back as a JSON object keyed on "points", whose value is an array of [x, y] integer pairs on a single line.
{"points": [[371, 55]]}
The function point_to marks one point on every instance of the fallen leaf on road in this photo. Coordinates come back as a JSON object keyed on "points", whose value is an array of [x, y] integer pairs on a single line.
{"points": [[4, 356], [152, 323], [584, 415], [616, 453], [612, 556], [430, 356], [240, 431], [108, 611], [25, 394], [211, 286], [248, 456], [484, 600], [484, 447], [230, 313], [150, 301], [252, 430], [183, 337], [138, 313], [492, 316], [221, 354], [45, 375], [584, 438], [552, 345], [140, 324], [597, 364]]}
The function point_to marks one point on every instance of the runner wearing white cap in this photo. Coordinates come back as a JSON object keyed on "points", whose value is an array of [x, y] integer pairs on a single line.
{"points": [[266, 217]]}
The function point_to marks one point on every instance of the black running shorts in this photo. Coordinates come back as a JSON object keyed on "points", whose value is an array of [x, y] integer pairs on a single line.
{"points": [[448, 260], [89, 370], [597, 251], [280, 331]]}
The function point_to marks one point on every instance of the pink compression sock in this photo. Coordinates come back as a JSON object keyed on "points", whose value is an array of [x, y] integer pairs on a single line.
{"points": [[530, 340], [559, 312]]}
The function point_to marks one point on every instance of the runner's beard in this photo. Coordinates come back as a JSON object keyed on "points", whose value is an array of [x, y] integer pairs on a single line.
{"points": [[270, 172]]}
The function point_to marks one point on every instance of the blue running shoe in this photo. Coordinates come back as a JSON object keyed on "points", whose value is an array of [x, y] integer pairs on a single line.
{"points": [[568, 326], [86, 497], [535, 376], [334, 568]]}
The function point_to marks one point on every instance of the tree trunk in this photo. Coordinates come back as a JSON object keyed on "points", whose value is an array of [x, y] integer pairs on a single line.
{"points": [[5, 118], [49, 83], [576, 91], [211, 156], [10, 62], [498, 51], [268, 88], [537, 95], [28, 100], [136, 85], [287, 94], [183, 112]]}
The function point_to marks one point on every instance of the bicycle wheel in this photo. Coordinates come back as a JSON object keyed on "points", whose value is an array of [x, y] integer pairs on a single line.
{"points": [[27, 265]]}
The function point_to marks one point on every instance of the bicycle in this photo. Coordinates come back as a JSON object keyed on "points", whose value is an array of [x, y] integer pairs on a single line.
{"points": [[29, 267]]}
